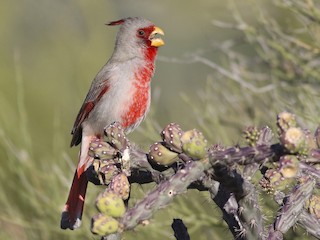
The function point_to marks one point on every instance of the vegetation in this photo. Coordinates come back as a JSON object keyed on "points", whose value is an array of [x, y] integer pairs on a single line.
{"points": [[256, 59]]}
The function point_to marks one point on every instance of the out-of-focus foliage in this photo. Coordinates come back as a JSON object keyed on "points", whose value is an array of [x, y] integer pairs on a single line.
{"points": [[225, 65]]}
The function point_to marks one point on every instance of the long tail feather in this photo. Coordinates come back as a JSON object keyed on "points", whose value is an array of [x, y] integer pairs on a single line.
{"points": [[72, 212]]}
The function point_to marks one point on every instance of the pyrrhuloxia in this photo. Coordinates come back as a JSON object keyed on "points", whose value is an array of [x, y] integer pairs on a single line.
{"points": [[119, 92]]}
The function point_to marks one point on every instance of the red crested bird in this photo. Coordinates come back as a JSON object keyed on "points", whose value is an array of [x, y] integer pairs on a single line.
{"points": [[119, 92]]}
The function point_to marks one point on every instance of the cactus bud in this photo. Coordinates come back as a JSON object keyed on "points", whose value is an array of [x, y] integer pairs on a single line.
{"points": [[286, 120], [289, 166], [171, 135], [294, 140], [101, 150], [103, 225], [111, 204], [194, 144], [251, 135], [120, 185], [313, 205], [114, 134], [161, 155]]}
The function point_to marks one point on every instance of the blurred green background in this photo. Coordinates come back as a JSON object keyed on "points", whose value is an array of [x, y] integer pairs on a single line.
{"points": [[51, 50]]}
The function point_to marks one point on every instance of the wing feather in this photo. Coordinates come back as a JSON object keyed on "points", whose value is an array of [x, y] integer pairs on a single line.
{"points": [[97, 90]]}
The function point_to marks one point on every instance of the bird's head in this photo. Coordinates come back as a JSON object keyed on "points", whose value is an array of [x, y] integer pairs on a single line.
{"points": [[137, 35]]}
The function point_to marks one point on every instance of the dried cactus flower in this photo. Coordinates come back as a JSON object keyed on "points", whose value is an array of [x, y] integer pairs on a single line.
{"points": [[120, 185], [194, 144], [111, 204], [162, 155], [313, 205], [171, 135], [294, 140], [289, 166], [103, 225], [286, 120]]}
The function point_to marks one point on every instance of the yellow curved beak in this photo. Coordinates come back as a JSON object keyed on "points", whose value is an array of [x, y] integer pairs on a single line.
{"points": [[156, 41]]}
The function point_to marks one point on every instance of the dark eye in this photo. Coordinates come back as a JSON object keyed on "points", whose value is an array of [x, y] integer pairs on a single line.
{"points": [[141, 32]]}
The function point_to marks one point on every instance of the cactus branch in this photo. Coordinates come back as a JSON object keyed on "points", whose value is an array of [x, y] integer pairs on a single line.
{"points": [[182, 161], [293, 205], [162, 195]]}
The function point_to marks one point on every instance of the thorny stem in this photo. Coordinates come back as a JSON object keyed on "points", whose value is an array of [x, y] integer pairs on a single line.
{"points": [[232, 191]]}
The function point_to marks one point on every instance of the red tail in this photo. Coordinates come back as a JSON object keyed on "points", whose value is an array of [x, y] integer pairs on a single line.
{"points": [[72, 212]]}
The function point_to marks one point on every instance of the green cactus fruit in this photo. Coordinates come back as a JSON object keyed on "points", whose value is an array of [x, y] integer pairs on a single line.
{"points": [[251, 135], [101, 150], [103, 225], [286, 120], [171, 135], [162, 155], [111, 204], [194, 144], [120, 185], [289, 166], [313, 205], [294, 140], [114, 134]]}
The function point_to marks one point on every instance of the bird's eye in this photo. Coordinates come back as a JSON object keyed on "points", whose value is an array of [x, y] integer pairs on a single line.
{"points": [[141, 32]]}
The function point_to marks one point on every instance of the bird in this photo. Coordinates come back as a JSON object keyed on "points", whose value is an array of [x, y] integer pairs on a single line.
{"points": [[120, 92]]}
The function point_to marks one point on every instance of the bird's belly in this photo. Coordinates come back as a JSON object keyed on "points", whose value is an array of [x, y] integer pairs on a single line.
{"points": [[128, 108], [136, 107]]}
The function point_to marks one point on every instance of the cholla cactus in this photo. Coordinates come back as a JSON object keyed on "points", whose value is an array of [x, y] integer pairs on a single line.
{"points": [[103, 225], [313, 205], [194, 144], [286, 120], [120, 186], [317, 136], [115, 136], [162, 155], [110, 203], [288, 168], [101, 150], [294, 140], [274, 181], [251, 134], [104, 171], [171, 136]]}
